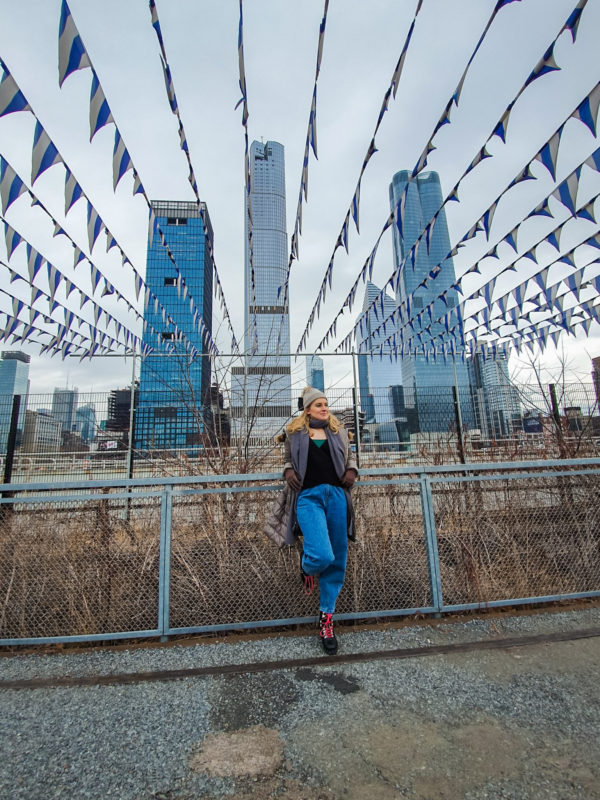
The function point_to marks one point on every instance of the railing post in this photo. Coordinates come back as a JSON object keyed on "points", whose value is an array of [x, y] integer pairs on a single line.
{"points": [[355, 396], [433, 560], [164, 561]]}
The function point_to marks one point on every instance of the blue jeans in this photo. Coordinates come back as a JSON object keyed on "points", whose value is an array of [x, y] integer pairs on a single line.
{"points": [[321, 513]]}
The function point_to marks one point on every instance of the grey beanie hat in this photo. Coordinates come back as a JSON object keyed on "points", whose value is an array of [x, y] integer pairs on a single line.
{"points": [[309, 395]]}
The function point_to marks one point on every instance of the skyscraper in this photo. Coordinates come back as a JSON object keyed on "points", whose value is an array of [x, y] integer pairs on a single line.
{"points": [[173, 389], [14, 379], [315, 374], [376, 372], [64, 406], [497, 406], [261, 386], [430, 376]]}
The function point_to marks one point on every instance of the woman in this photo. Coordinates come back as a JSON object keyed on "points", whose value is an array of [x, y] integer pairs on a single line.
{"points": [[320, 470]]}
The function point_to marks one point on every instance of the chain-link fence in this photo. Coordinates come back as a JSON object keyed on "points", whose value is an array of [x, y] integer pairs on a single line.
{"points": [[171, 556], [177, 419]]}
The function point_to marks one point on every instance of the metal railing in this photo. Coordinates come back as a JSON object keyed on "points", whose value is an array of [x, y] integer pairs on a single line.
{"points": [[122, 559]]}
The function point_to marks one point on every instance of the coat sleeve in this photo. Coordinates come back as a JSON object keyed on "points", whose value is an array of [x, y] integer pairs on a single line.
{"points": [[350, 458], [287, 453]]}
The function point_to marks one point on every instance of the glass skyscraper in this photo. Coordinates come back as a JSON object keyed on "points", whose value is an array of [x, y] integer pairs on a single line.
{"points": [[14, 379], [428, 380], [261, 385], [376, 373], [315, 373], [174, 390]]}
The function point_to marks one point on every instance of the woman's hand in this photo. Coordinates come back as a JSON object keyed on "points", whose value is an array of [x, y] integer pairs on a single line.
{"points": [[349, 478], [292, 480]]}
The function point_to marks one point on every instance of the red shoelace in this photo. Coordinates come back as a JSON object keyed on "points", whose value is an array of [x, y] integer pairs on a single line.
{"points": [[326, 623]]}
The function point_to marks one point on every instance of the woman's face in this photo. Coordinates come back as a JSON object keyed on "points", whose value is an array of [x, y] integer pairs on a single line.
{"points": [[318, 409]]}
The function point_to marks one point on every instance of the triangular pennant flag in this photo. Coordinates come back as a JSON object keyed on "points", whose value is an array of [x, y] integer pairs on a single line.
{"points": [[488, 217], [572, 23], [567, 190], [11, 97], [71, 52], [312, 123], [94, 225], [44, 153], [11, 186], [542, 210], [100, 113], [13, 239], [73, 191], [355, 207], [121, 160], [501, 127], [549, 153], [545, 65], [35, 261], [587, 110], [78, 256]]}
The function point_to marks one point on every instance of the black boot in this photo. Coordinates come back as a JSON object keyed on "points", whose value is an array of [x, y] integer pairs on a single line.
{"points": [[328, 640]]}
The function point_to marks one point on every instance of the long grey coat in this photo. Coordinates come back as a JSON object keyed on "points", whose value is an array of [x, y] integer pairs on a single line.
{"points": [[281, 524]]}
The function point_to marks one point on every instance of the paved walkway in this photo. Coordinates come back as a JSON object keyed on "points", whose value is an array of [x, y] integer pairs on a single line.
{"points": [[515, 723]]}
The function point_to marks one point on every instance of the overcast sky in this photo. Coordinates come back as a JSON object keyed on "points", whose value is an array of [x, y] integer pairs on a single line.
{"points": [[362, 44]]}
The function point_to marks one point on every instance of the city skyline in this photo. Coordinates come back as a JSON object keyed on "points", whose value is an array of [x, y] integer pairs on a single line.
{"points": [[279, 85]]}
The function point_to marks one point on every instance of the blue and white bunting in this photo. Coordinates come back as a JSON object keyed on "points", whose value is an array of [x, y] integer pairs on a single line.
{"points": [[71, 52], [73, 191], [11, 97], [100, 113], [11, 186], [121, 160], [44, 154]]}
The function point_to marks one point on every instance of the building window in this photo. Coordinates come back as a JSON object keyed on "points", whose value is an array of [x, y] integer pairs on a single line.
{"points": [[176, 220], [167, 335], [170, 281]]}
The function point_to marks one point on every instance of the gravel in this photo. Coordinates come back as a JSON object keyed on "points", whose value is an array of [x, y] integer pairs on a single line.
{"points": [[519, 723]]}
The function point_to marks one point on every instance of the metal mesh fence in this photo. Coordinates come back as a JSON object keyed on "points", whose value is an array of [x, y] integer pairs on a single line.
{"points": [[79, 567], [89, 564], [517, 537], [224, 570]]}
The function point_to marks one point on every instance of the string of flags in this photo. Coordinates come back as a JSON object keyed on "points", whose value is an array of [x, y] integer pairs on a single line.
{"points": [[586, 112], [72, 56], [565, 192], [183, 144], [243, 101], [310, 142], [64, 337], [353, 211], [454, 321], [38, 264]]}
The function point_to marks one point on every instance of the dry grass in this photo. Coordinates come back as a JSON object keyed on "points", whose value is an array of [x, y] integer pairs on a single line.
{"points": [[83, 568]]}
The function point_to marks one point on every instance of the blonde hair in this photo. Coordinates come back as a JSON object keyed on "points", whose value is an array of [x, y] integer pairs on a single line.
{"points": [[302, 420]]}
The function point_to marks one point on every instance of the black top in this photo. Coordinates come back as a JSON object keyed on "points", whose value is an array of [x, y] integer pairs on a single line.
{"points": [[319, 468]]}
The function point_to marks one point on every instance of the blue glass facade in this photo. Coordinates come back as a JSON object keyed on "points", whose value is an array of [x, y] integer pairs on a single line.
{"points": [[427, 381], [376, 373], [174, 391], [14, 379]]}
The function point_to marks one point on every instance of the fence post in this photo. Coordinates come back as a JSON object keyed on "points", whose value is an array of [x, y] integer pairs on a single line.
{"points": [[459, 427], [356, 414], [12, 438], [433, 559], [164, 562], [6, 509]]}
